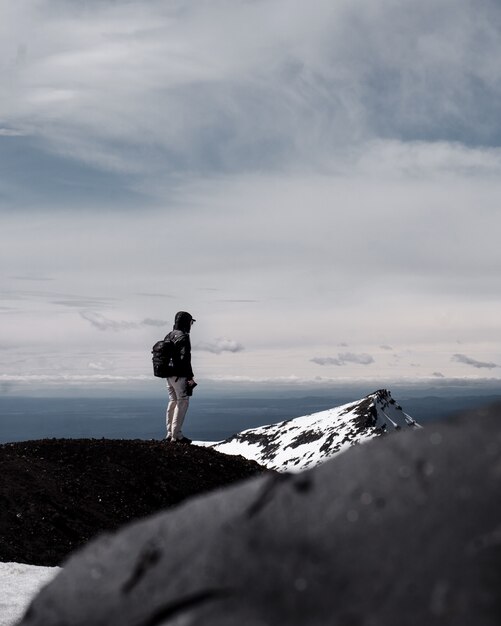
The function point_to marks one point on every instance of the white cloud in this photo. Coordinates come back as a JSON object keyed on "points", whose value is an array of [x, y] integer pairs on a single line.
{"points": [[151, 322], [102, 366], [219, 345], [344, 358], [101, 322]]}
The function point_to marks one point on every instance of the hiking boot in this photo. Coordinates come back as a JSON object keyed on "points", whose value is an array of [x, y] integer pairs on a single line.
{"points": [[182, 440]]}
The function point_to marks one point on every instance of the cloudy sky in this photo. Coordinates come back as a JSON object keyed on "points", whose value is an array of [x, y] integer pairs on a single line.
{"points": [[318, 183]]}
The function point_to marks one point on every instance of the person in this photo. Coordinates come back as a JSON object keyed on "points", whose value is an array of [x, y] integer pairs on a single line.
{"points": [[180, 381]]}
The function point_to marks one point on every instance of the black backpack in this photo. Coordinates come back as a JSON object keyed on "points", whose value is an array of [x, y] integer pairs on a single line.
{"points": [[164, 353]]}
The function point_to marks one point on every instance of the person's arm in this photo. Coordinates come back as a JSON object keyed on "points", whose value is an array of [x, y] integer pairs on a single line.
{"points": [[185, 357]]}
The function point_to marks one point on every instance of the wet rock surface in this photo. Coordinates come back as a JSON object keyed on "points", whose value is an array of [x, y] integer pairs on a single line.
{"points": [[56, 494], [405, 530]]}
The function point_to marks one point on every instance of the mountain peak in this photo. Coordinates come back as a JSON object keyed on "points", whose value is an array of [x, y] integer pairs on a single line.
{"points": [[304, 442], [380, 410]]}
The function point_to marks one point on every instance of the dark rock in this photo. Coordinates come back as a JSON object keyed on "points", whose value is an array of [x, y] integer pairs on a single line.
{"points": [[404, 530], [307, 436]]}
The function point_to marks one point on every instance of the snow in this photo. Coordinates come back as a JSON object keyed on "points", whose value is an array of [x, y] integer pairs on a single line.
{"points": [[303, 442], [19, 583]]}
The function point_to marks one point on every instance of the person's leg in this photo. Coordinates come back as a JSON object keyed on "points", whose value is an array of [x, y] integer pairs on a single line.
{"points": [[171, 407], [182, 403]]}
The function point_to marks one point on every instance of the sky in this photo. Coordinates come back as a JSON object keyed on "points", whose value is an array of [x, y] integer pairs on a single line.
{"points": [[318, 183]]}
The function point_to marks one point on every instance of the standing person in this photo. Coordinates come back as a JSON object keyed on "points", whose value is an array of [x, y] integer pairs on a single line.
{"points": [[180, 381]]}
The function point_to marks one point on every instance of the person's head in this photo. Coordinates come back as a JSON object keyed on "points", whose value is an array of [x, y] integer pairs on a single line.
{"points": [[183, 321]]}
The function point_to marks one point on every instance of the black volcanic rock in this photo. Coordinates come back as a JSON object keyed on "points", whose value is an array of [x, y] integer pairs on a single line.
{"points": [[56, 494], [405, 530]]}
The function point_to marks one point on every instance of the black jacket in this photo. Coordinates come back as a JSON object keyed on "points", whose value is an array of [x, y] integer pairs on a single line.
{"points": [[180, 336]]}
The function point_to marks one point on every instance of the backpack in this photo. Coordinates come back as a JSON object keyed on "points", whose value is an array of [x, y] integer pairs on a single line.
{"points": [[163, 357]]}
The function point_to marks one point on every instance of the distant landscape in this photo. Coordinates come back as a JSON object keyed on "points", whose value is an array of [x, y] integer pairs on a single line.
{"points": [[214, 415]]}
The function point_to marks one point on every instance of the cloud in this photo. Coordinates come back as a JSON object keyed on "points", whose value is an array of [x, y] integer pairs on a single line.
{"points": [[62, 299], [150, 322], [101, 366], [200, 93], [11, 132], [219, 345], [344, 358], [155, 295], [362, 359], [384, 111], [7, 379], [104, 323], [462, 358], [84, 302], [33, 277]]}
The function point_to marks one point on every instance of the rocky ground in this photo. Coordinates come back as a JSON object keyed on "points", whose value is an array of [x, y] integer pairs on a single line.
{"points": [[56, 494]]}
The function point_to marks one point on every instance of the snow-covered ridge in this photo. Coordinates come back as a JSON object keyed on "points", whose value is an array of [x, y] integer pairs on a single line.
{"points": [[304, 442]]}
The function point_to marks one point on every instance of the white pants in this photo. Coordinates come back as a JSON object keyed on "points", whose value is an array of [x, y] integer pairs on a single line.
{"points": [[177, 407]]}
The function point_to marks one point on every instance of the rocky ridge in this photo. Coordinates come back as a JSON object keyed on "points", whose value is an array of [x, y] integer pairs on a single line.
{"points": [[56, 494]]}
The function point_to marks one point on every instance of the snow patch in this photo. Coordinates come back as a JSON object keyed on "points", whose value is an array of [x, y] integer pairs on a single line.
{"points": [[19, 584]]}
